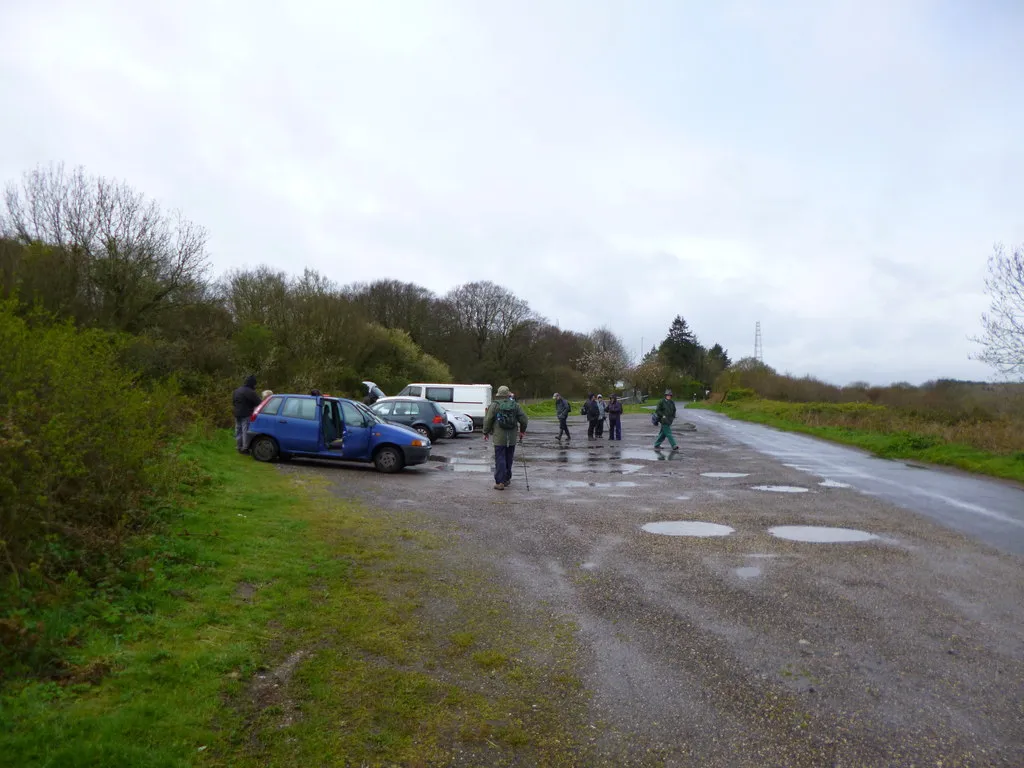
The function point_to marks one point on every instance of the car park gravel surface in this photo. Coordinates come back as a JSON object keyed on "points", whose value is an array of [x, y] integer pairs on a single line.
{"points": [[745, 649]]}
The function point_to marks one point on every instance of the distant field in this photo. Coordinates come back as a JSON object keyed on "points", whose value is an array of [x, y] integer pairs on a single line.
{"points": [[992, 446]]}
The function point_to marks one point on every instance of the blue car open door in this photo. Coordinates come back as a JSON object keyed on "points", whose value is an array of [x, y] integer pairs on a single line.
{"points": [[356, 431]]}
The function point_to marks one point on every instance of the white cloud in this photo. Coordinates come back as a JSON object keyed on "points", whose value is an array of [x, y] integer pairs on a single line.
{"points": [[837, 170]]}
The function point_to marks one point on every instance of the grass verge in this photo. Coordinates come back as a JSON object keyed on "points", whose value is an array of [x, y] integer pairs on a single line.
{"points": [[284, 626], [546, 408], [876, 429]]}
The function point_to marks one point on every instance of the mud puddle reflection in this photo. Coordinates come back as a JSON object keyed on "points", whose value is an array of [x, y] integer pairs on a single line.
{"points": [[687, 528], [817, 534]]}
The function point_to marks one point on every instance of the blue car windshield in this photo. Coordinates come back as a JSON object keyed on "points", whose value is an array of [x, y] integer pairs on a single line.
{"points": [[373, 417]]}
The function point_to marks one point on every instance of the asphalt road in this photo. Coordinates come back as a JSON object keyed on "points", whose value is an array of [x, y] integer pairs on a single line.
{"points": [[749, 649]]}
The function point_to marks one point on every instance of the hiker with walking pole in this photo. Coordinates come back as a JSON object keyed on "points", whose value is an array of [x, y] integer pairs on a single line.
{"points": [[664, 415], [504, 418]]}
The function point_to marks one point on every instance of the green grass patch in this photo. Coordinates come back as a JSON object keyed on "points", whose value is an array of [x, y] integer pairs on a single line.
{"points": [[546, 408], [284, 626], [877, 429]]}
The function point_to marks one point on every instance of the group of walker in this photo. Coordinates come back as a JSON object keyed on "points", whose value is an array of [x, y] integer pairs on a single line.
{"points": [[506, 421]]}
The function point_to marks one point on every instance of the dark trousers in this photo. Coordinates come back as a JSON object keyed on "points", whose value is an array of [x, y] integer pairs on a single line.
{"points": [[614, 428], [563, 427], [503, 456], [600, 428], [592, 427]]}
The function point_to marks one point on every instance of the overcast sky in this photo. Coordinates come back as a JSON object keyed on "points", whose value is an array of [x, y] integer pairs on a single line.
{"points": [[837, 169]]}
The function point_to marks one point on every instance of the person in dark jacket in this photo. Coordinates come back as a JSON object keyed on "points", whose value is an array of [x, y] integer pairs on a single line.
{"points": [[602, 409], [504, 435], [243, 402], [562, 409], [614, 411], [593, 414], [666, 413]]}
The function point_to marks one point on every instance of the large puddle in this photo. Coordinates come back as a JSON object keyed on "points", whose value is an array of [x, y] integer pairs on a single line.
{"points": [[724, 474], [780, 488], [687, 528], [456, 464], [817, 534], [582, 484]]}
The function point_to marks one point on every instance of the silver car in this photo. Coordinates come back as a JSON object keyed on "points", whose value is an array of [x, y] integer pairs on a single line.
{"points": [[458, 424]]}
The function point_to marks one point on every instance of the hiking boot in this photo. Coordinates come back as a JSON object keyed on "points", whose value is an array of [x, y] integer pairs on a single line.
{"points": [[499, 486], [675, 447]]}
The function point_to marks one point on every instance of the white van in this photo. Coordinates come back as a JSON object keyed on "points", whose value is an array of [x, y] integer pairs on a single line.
{"points": [[470, 399]]}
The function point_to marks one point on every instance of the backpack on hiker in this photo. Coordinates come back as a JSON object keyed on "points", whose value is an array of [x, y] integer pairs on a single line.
{"points": [[507, 415]]}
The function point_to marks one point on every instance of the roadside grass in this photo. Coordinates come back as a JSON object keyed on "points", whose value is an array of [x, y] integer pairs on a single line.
{"points": [[289, 627], [546, 408], [893, 434]]}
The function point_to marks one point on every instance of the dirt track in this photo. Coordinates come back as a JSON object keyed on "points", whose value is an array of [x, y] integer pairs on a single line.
{"points": [[746, 649]]}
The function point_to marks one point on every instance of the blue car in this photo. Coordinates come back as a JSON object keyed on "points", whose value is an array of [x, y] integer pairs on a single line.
{"points": [[320, 427]]}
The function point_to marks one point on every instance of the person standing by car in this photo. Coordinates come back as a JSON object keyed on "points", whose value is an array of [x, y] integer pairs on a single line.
{"points": [[666, 413], [562, 409], [243, 402], [615, 419], [504, 418]]}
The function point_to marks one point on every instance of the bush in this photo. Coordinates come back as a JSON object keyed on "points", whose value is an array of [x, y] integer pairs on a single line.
{"points": [[739, 393], [82, 446]]}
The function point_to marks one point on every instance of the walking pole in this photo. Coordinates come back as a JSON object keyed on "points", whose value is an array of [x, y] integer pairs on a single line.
{"points": [[525, 473]]}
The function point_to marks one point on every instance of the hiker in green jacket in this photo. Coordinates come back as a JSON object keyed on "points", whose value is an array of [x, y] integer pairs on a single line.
{"points": [[504, 418], [666, 413]]}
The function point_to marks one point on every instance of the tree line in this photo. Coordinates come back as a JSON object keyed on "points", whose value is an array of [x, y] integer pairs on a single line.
{"points": [[100, 253]]}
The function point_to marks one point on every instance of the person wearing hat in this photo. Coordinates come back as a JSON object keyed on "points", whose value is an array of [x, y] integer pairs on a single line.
{"points": [[503, 419], [601, 412], [614, 412], [562, 409], [666, 413]]}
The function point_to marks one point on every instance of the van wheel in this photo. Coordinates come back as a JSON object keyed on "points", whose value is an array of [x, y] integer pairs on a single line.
{"points": [[264, 449], [450, 432], [388, 460]]}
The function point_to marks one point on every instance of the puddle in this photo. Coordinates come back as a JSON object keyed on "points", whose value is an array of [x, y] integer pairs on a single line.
{"points": [[780, 488], [582, 484], [759, 556], [724, 474], [748, 572], [464, 468], [833, 484], [643, 454], [608, 465], [819, 534], [687, 528], [588, 566]]}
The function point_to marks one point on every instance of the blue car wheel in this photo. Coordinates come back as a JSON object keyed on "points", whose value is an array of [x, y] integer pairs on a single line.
{"points": [[388, 459], [264, 448]]}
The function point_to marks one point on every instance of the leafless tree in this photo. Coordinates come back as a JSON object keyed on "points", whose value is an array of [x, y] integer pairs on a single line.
{"points": [[1003, 339], [125, 256], [489, 314]]}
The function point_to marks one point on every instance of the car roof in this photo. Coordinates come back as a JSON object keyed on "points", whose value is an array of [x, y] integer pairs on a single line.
{"points": [[404, 397], [311, 397]]}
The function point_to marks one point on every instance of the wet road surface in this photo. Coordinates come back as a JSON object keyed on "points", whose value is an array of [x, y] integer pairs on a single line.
{"points": [[901, 643], [989, 510]]}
